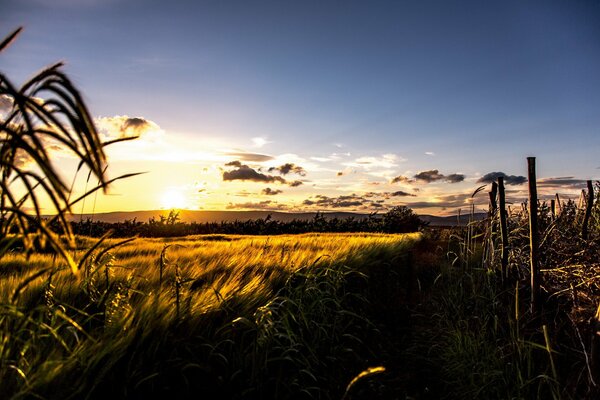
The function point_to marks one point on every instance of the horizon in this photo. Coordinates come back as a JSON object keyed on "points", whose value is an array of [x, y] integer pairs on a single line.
{"points": [[315, 106]]}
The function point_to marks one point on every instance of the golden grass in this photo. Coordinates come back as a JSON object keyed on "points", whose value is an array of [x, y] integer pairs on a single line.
{"points": [[213, 267]]}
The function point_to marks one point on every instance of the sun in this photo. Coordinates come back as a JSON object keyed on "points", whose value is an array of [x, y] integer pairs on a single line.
{"points": [[173, 199]]}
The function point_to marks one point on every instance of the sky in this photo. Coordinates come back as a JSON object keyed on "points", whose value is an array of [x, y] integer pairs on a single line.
{"points": [[323, 105]]}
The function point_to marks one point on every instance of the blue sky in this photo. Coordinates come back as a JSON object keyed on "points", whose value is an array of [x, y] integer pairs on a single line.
{"points": [[355, 93]]}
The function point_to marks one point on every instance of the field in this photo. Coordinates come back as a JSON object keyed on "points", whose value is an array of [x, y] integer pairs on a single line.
{"points": [[229, 316]]}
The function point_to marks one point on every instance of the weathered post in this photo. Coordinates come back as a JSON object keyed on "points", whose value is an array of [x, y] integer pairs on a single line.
{"points": [[493, 194], [588, 210], [490, 245], [503, 227], [553, 209], [533, 238]]}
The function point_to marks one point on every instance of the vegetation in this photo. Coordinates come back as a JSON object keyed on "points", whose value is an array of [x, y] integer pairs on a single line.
{"points": [[47, 113], [400, 219], [477, 331], [233, 316]]}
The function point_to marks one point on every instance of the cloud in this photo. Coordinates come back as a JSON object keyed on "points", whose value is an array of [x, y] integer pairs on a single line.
{"points": [[508, 179], [401, 193], [287, 168], [243, 172], [271, 192], [433, 175], [454, 178], [430, 153], [253, 157], [568, 182], [259, 141], [386, 161], [429, 176], [121, 126], [335, 202], [364, 202], [138, 125], [402, 179], [321, 159], [266, 205]]}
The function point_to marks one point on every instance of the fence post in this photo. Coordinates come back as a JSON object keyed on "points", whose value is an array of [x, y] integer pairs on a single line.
{"points": [[503, 226], [492, 194], [588, 210], [534, 239]]}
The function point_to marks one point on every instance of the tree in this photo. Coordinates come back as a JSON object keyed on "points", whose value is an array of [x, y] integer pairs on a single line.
{"points": [[401, 219]]}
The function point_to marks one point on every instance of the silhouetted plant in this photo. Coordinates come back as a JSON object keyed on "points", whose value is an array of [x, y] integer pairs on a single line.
{"points": [[46, 113]]}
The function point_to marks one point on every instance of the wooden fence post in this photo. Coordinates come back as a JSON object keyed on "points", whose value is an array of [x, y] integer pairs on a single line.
{"points": [[503, 227], [534, 239], [493, 193], [588, 210]]}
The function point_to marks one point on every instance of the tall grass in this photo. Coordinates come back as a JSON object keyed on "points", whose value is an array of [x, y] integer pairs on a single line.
{"points": [[478, 331], [47, 113], [239, 317]]}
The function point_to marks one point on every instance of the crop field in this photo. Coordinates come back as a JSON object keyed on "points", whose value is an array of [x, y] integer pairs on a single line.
{"points": [[235, 316]]}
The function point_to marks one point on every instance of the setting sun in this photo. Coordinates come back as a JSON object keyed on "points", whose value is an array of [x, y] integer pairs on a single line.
{"points": [[173, 199]]}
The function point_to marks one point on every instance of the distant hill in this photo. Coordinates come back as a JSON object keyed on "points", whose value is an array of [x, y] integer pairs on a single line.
{"points": [[452, 220], [229, 216]]}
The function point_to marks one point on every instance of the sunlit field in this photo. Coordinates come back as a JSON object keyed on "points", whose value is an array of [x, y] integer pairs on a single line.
{"points": [[237, 316]]}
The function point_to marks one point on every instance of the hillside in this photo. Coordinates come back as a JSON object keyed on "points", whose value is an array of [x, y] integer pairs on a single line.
{"points": [[229, 216]]}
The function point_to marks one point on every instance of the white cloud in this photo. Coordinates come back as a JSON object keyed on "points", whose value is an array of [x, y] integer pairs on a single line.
{"points": [[385, 161], [259, 142]]}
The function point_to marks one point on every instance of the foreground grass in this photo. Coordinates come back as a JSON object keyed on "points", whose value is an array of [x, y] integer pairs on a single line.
{"points": [[228, 316]]}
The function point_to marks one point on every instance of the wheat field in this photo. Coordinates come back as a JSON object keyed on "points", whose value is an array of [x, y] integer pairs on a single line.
{"points": [[233, 316]]}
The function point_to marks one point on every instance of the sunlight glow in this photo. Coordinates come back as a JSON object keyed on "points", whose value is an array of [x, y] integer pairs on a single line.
{"points": [[173, 199]]}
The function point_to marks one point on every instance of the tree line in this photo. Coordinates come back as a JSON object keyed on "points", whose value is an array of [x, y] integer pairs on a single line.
{"points": [[400, 219]]}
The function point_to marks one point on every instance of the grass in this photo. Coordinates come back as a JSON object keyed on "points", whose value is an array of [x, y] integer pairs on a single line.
{"points": [[475, 335], [233, 316]]}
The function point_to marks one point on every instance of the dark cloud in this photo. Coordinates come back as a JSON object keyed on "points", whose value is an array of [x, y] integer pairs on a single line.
{"points": [[271, 192], [243, 172], [564, 182], [429, 176], [135, 124], [289, 168], [402, 179], [433, 175], [401, 193], [336, 202], [454, 178], [254, 157], [508, 179]]}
